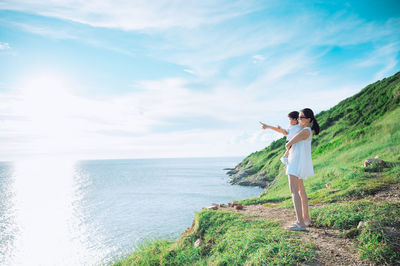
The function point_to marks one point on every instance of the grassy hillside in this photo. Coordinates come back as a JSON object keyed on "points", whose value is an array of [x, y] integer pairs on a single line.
{"points": [[357, 128], [229, 239], [360, 127], [346, 121]]}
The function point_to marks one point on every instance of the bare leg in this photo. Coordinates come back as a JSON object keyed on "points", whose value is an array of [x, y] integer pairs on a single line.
{"points": [[304, 200], [294, 189]]}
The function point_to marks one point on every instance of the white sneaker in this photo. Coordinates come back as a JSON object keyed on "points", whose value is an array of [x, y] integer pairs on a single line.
{"points": [[284, 160]]}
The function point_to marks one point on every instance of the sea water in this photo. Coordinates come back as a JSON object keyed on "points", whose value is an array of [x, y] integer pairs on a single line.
{"points": [[60, 212]]}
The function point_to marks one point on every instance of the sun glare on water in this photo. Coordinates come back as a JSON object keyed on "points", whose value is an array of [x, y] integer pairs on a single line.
{"points": [[47, 224], [47, 220]]}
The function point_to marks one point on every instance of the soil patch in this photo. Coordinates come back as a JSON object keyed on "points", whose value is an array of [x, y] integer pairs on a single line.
{"points": [[389, 194], [330, 247]]}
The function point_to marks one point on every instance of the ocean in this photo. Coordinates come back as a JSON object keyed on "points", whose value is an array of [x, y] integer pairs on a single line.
{"points": [[60, 212]]}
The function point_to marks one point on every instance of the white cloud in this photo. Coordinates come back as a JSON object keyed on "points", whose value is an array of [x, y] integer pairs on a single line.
{"points": [[258, 58], [189, 71], [383, 56], [313, 73], [272, 41], [45, 30], [39, 119], [204, 50], [379, 55], [280, 54], [135, 15], [170, 98], [279, 68], [4, 46], [342, 29]]}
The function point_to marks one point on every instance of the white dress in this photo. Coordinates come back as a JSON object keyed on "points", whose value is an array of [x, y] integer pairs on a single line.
{"points": [[299, 160]]}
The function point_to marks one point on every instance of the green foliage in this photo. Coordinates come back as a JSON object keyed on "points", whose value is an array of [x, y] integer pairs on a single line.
{"points": [[378, 240], [340, 149], [341, 215], [347, 122], [364, 107], [358, 128], [229, 239], [149, 253]]}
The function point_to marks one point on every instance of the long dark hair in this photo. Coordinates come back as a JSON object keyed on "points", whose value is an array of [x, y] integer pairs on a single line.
{"points": [[310, 114]]}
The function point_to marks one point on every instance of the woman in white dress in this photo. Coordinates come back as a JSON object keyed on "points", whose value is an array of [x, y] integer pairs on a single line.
{"points": [[300, 167]]}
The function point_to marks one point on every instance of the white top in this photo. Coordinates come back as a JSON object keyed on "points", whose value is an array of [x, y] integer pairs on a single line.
{"points": [[299, 160], [292, 131]]}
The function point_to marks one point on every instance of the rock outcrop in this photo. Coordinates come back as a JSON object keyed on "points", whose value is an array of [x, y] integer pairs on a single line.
{"points": [[369, 162], [248, 177]]}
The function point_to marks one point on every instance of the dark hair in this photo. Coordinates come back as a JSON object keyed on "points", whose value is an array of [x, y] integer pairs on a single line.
{"points": [[294, 115], [310, 114]]}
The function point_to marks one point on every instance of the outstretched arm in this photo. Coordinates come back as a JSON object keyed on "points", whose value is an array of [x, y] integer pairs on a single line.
{"points": [[302, 135], [277, 129]]}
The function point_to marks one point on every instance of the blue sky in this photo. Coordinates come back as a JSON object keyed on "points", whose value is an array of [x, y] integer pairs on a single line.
{"points": [[138, 79]]}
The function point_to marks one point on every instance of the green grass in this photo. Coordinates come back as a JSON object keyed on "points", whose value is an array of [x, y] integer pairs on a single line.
{"points": [[379, 240], [229, 239], [342, 168], [345, 127]]}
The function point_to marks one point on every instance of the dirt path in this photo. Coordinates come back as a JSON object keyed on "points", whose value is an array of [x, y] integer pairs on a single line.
{"points": [[390, 194], [330, 247]]}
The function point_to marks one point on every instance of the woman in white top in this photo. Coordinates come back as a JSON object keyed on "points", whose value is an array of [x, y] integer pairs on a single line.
{"points": [[300, 167]]}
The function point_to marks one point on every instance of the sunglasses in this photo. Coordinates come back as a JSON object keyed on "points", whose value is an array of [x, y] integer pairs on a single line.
{"points": [[302, 117]]}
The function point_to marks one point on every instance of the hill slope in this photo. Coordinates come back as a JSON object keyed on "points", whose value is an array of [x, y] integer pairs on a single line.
{"points": [[346, 121], [342, 195]]}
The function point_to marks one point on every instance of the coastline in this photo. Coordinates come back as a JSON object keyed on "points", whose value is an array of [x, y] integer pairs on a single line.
{"points": [[248, 177]]}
